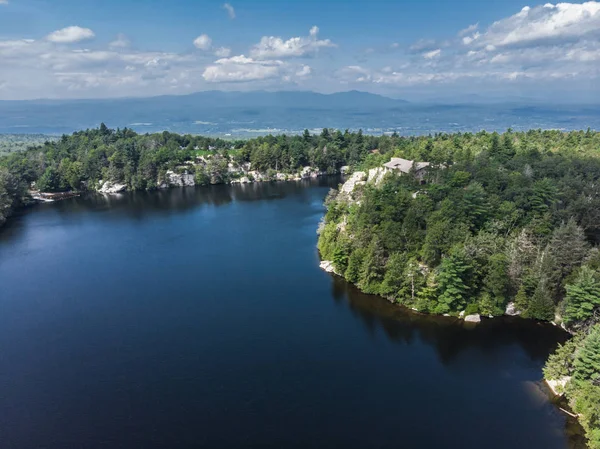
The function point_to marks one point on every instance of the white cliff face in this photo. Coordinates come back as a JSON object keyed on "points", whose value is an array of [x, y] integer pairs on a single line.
{"points": [[373, 176], [357, 178], [110, 187], [180, 180], [376, 175]]}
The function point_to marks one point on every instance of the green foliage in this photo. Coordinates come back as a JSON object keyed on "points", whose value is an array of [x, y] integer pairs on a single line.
{"points": [[579, 359], [560, 363], [453, 284], [583, 297], [587, 362], [502, 218], [541, 306]]}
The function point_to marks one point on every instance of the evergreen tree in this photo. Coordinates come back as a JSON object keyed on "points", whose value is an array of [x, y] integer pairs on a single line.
{"points": [[541, 305], [587, 361], [452, 284], [583, 297]]}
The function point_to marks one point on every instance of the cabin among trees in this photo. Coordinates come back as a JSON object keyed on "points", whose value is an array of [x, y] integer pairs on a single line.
{"points": [[405, 166]]}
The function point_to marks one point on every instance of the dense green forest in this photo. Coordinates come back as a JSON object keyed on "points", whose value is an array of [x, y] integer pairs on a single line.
{"points": [[80, 161], [502, 218]]}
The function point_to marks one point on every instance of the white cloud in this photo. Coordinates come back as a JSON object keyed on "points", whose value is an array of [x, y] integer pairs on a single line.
{"points": [[241, 68], [222, 52], [70, 35], [433, 54], [304, 71], [3, 2], [275, 47], [230, 10], [203, 42], [470, 29], [547, 24]]}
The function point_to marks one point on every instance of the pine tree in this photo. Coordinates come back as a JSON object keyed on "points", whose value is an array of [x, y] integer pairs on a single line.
{"points": [[587, 362], [583, 297], [541, 305], [521, 300], [452, 284], [568, 248]]}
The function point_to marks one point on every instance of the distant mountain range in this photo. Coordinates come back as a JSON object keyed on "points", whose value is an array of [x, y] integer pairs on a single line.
{"points": [[260, 112]]}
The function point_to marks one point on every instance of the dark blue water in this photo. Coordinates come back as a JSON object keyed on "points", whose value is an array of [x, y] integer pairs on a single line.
{"points": [[198, 318]]}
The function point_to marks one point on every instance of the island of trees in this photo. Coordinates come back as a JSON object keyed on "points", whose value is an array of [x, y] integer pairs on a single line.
{"points": [[497, 219]]}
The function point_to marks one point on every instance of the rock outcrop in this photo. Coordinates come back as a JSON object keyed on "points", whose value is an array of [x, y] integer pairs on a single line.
{"points": [[376, 175], [357, 178], [111, 187], [475, 318], [327, 265], [558, 386], [180, 180], [511, 309]]}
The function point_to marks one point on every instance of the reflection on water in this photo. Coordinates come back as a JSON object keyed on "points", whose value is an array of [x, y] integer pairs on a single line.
{"points": [[449, 336], [452, 337], [198, 317]]}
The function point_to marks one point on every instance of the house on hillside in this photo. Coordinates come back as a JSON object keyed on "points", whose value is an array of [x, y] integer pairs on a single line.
{"points": [[404, 166]]}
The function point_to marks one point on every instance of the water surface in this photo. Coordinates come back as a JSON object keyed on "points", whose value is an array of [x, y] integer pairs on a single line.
{"points": [[198, 318]]}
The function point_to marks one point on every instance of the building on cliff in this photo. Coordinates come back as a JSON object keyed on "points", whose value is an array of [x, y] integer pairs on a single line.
{"points": [[404, 166]]}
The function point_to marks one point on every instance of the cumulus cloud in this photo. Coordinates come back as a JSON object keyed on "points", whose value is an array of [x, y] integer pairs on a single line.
{"points": [[230, 10], [203, 42], [241, 68], [275, 47], [70, 35], [545, 24]]}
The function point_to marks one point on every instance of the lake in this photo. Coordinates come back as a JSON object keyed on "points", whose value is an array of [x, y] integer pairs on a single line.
{"points": [[199, 318]]}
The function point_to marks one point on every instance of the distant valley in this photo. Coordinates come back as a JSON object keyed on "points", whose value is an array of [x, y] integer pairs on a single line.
{"points": [[248, 114]]}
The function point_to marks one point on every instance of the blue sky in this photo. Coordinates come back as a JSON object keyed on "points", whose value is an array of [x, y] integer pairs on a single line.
{"points": [[413, 49]]}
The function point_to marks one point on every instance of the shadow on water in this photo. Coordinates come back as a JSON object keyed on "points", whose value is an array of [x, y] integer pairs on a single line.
{"points": [[451, 337]]}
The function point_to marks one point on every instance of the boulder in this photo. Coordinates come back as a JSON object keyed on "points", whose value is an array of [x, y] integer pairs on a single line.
{"points": [[327, 265], [110, 188], [461, 314], [475, 318], [511, 309], [558, 385]]}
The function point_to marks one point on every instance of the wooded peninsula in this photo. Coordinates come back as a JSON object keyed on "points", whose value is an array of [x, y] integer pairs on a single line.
{"points": [[455, 224]]}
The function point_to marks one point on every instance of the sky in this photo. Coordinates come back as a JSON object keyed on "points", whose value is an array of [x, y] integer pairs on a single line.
{"points": [[412, 49]]}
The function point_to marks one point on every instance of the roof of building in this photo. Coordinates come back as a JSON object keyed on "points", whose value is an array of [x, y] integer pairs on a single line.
{"points": [[404, 165]]}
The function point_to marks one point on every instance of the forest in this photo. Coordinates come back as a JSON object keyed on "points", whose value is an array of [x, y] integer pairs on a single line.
{"points": [[79, 161], [501, 218], [512, 217]]}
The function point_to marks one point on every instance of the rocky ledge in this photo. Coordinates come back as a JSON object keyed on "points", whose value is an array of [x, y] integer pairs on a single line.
{"points": [[111, 187]]}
